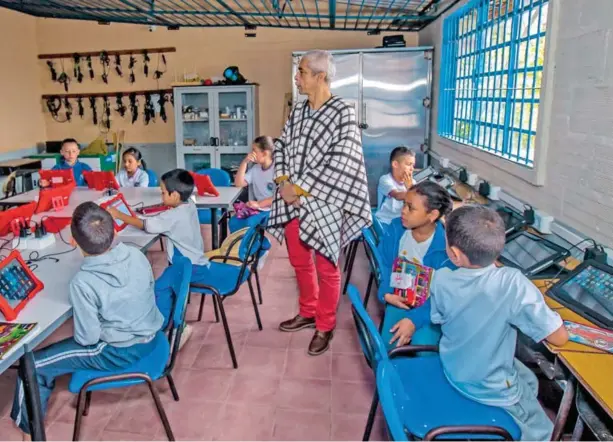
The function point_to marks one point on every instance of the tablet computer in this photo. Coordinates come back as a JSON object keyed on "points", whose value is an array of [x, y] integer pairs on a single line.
{"points": [[117, 202], [531, 253], [513, 220], [588, 291], [18, 285]]}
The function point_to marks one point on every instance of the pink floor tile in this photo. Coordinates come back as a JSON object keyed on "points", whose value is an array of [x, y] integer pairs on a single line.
{"points": [[245, 422], [8, 430], [346, 342], [351, 397], [262, 361], [300, 340], [268, 338], [127, 436], [300, 365], [351, 368], [311, 394], [90, 430], [351, 427], [256, 389], [192, 420], [206, 384], [301, 425]]}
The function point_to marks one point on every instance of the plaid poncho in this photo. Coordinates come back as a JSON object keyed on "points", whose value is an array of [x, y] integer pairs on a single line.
{"points": [[321, 152]]}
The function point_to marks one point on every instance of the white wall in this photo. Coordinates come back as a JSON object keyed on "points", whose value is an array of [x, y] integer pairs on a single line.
{"points": [[578, 135]]}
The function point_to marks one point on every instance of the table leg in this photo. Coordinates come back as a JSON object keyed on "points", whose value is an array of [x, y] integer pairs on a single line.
{"points": [[27, 372], [578, 431], [214, 229], [565, 407], [223, 234]]}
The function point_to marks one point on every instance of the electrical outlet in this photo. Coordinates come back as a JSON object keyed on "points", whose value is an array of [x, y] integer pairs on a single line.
{"points": [[494, 193], [472, 179], [444, 163], [543, 222]]}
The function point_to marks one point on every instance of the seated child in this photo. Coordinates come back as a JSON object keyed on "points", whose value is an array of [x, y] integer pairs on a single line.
{"points": [[180, 225], [419, 235], [480, 307], [114, 311], [394, 185], [70, 153], [260, 179], [134, 169]]}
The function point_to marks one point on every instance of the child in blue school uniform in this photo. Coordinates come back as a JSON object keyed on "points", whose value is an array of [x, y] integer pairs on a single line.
{"points": [[480, 307], [418, 235], [70, 160], [260, 181], [114, 311], [393, 186]]}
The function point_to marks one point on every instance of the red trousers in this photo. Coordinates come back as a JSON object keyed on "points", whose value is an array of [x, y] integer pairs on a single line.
{"points": [[319, 280]]}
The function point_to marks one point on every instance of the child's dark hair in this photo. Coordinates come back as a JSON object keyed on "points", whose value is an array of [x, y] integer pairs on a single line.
{"points": [[400, 152], [435, 197], [478, 232], [92, 228], [70, 141], [265, 143], [180, 181], [136, 154]]}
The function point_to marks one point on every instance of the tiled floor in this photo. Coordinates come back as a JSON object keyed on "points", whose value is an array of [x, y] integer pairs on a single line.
{"points": [[277, 393]]}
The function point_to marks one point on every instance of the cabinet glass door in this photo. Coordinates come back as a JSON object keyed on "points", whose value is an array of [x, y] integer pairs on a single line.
{"points": [[195, 127], [234, 130], [195, 162]]}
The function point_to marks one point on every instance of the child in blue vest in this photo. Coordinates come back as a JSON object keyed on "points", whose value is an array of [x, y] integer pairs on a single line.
{"points": [[418, 235], [70, 160]]}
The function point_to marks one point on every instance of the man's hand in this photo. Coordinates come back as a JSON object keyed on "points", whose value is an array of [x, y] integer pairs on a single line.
{"points": [[403, 332], [396, 301], [288, 193]]}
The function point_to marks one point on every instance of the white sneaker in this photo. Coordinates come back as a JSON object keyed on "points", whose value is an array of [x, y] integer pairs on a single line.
{"points": [[187, 333]]}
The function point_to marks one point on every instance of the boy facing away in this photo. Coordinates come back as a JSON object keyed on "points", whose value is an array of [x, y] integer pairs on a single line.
{"points": [[114, 311], [181, 226], [393, 186], [480, 307]]}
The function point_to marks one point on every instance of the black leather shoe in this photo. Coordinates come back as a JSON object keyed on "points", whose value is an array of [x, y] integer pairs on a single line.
{"points": [[297, 323], [320, 342]]}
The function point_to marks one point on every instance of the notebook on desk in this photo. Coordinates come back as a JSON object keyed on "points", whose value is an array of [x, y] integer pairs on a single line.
{"points": [[11, 334]]}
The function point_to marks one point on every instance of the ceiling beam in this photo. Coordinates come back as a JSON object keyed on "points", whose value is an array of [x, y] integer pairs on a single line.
{"points": [[332, 13], [233, 12]]}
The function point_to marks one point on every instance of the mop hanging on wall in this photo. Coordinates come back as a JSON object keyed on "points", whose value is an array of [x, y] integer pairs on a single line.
{"points": [[105, 61], [76, 67], [146, 60], [90, 68], [52, 70], [133, 107], [80, 106], [131, 67], [118, 65], [68, 107], [121, 108], [92, 105]]}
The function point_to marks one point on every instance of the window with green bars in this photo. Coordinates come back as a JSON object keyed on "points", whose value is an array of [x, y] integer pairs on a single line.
{"points": [[491, 73]]}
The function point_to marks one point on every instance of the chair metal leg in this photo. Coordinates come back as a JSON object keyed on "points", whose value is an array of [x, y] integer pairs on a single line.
{"points": [[371, 416], [161, 412], [202, 299], [350, 261], [224, 321], [162, 243], [255, 304], [368, 289], [173, 387], [348, 252], [216, 309], [88, 401], [257, 283], [79, 414]]}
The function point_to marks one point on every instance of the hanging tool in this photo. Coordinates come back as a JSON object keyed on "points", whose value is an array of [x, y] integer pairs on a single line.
{"points": [[146, 60], [134, 107], [54, 104], [68, 108], [81, 108], [92, 104], [131, 67], [149, 110], [106, 116], [90, 67], [63, 78], [162, 100], [52, 70], [121, 108], [105, 61], [158, 73], [76, 61], [118, 65]]}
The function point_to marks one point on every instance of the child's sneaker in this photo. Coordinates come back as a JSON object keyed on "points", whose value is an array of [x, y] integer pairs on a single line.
{"points": [[187, 333]]}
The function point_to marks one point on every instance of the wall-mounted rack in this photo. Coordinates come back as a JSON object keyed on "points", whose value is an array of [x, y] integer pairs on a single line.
{"points": [[117, 52], [108, 94]]}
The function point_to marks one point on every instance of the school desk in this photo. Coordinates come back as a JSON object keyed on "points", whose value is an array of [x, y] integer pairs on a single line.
{"points": [[50, 309]]}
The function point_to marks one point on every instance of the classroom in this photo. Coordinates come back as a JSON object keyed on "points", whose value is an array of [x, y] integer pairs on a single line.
{"points": [[306, 220]]}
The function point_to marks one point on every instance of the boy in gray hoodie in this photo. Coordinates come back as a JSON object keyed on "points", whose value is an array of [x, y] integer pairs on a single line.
{"points": [[115, 315]]}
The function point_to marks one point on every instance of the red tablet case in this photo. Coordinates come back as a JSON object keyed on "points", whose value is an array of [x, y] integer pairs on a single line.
{"points": [[117, 202], [204, 185], [59, 194], [10, 313], [100, 180], [57, 177], [24, 212]]}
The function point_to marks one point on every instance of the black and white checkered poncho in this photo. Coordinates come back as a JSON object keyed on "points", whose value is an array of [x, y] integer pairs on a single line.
{"points": [[321, 152]]}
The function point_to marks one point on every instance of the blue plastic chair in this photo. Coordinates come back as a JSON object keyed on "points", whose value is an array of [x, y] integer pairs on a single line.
{"points": [[418, 402], [153, 178], [226, 279], [155, 366], [219, 177], [378, 270]]}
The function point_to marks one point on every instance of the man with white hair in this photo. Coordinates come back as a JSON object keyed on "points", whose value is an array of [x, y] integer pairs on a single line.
{"points": [[322, 200]]}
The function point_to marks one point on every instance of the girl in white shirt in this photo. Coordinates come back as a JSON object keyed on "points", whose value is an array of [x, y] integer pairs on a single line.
{"points": [[134, 172]]}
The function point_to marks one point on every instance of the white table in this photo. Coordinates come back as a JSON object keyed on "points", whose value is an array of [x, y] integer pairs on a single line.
{"points": [[51, 308], [147, 196]]}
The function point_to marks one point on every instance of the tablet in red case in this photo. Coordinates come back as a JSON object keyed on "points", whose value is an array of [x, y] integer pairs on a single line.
{"points": [[117, 202], [18, 285]]}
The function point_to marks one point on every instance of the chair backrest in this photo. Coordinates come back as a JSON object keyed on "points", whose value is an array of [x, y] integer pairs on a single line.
{"points": [[153, 178], [374, 256], [181, 277], [219, 177], [368, 334], [392, 397], [377, 227]]}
